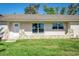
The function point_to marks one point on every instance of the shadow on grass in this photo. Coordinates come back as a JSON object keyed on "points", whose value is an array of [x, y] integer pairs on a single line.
{"points": [[1, 44], [2, 49]]}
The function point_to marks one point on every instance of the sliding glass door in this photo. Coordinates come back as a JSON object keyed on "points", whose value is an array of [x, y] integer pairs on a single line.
{"points": [[37, 27]]}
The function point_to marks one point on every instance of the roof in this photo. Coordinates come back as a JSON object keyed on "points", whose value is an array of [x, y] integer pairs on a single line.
{"points": [[38, 17]]}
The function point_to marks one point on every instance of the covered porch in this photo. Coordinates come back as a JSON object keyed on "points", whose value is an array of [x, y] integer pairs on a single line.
{"points": [[28, 30]]}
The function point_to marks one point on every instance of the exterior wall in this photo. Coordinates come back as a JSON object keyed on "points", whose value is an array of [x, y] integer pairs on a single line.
{"points": [[27, 27], [50, 31], [75, 27], [12, 33]]}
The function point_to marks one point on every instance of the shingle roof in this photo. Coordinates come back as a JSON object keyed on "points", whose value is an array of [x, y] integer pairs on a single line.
{"points": [[38, 17]]}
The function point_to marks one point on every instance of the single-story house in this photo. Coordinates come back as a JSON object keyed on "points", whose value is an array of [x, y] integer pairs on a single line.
{"points": [[36, 26]]}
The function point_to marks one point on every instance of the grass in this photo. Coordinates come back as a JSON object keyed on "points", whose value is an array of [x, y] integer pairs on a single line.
{"points": [[42, 47]]}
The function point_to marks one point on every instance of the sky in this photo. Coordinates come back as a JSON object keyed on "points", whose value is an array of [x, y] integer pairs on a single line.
{"points": [[18, 8]]}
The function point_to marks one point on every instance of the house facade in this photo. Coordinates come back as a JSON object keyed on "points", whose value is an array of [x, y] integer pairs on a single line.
{"points": [[35, 26]]}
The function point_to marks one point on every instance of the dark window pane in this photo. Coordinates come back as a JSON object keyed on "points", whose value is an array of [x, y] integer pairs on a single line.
{"points": [[34, 30], [37, 27], [41, 30], [41, 27], [16, 25], [61, 26], [34, 26], [58, 26], [54, 26]]}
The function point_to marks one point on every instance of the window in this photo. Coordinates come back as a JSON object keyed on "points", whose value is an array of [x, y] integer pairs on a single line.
{"points": [[61, 26], [55, 26], [37, 27], [16, 25], [58, 25], [41, 27]]}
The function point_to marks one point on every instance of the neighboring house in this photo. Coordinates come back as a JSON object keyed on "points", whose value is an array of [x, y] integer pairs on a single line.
{"points": [[35, 26]]}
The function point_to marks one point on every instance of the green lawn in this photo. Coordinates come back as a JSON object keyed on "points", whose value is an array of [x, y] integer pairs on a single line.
{"points": [[42, 47]]}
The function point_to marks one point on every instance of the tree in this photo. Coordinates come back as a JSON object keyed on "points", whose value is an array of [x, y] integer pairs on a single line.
{"points": [[72, 9], [32, 9], [57, 10], [63, 11], [49, 10]]}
